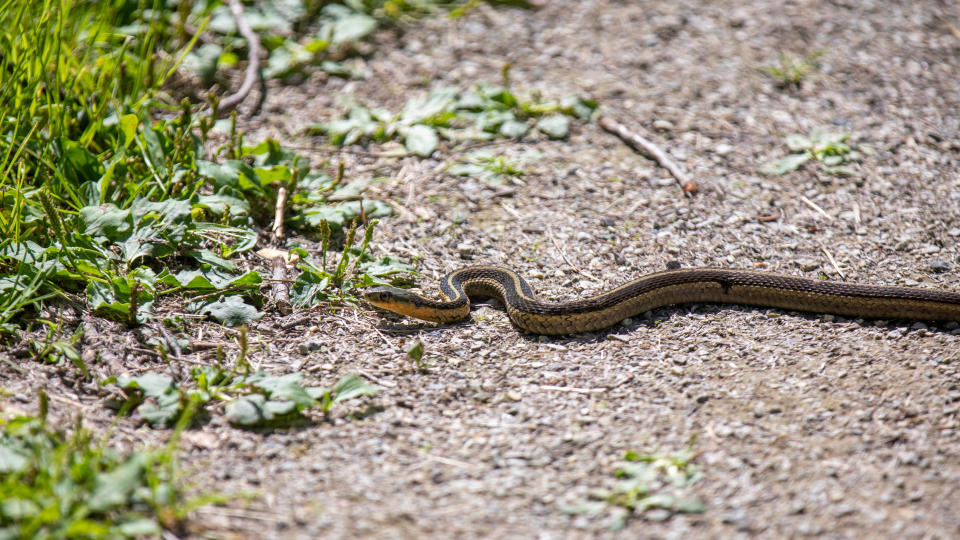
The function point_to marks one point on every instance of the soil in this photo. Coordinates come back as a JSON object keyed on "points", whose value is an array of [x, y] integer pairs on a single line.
{"points": [[805, 425]]}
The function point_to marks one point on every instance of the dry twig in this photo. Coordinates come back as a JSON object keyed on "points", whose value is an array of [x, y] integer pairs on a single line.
{"points": [[649, 150], [278, 214], [279, 289], [230, 102]]}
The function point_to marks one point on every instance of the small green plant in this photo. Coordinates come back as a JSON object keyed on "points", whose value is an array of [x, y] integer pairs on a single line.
{"points": [[279, 400], [255, 399], [792, 71], [415, 353], [484, 112], [58, 486], [486, 167], [646, 481], [829, 149]]}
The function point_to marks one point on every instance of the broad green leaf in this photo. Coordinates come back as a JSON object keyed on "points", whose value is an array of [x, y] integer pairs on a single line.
{"points": [[245, 410], [140, 528], [308, 288], [205, 256], [514, 129], [784, 165], [226, 197], [421, 140], [114, 488], [234, 173], [285, 387], [151, 384], [554, 126], [128, 126], [165, 412], [352, 386], [11, 460], [77, 163], [351, 28], [232, 311], [416, 352], [439, 102], [18, 509], [797, 143], [106, 221]]}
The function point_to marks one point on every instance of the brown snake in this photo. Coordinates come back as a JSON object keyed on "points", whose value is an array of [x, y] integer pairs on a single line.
{"points": [[717, 285]]}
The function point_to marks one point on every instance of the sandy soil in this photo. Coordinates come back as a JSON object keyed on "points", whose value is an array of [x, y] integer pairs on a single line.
{"points": [[805, 425]]}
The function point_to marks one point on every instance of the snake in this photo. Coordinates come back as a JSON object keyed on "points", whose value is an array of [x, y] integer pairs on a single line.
{"points": [[669, 287]]}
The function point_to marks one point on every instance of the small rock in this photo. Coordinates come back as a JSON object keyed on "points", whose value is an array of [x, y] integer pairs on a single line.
{"points": [[723, 149], [702, 398], [607, 222], [466, 250], [758, 410], [662, 125], [676, 370], [939, 266]]}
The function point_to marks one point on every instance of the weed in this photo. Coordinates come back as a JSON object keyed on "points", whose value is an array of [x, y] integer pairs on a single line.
{"points": [[487, 168], [415, 353], [58, 486], [646, 481], [484, 112], [829, 149], [790, 71]]}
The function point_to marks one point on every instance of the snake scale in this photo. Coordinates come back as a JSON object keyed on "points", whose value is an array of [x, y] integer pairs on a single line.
{"points": [[715, 285]]}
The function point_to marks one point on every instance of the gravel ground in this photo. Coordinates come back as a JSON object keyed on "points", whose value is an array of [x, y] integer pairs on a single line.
{"points": [[805, 425]]}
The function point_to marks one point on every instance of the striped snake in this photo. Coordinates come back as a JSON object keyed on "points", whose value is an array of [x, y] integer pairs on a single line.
{"points": [[716, 285]]}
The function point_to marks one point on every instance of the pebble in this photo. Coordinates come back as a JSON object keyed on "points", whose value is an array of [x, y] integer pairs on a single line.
{"points": [[758, 410], [662, 125], [308, 346], [723, 149], [702, 398], [939, 266]]}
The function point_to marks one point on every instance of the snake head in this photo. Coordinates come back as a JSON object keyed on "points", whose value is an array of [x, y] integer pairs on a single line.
{"points": [[389, 298]]}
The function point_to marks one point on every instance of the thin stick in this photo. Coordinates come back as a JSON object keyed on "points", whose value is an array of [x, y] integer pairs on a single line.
{"points": [[174, 347], [813, 205], [279, 289], [650, 150], [278, 213], [563, 255], [833, 261], [230, 102]]}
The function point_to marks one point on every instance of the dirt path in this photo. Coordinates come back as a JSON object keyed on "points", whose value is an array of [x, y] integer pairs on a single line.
{"points": [[805, 425]]}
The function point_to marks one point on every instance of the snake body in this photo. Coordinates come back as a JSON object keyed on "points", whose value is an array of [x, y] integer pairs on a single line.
{"points": [[715, 285]]}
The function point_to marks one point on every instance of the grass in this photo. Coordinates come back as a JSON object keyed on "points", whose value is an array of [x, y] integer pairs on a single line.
{"points": [[105, 204], [790, 71], [69, 485], [251, 399]]}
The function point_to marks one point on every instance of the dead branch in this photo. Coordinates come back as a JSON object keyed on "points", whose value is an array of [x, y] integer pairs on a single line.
{"points": [[649, 150], [279, 290], [230, 102]]}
